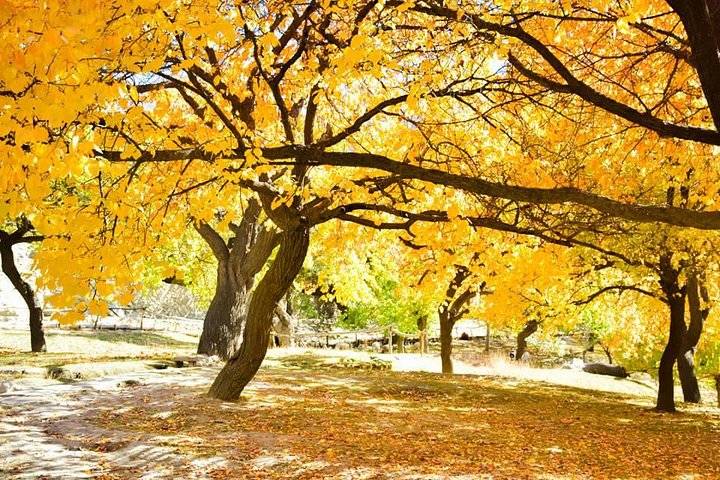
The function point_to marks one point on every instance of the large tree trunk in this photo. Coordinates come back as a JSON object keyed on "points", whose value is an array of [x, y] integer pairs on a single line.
{"points": [[530, 327], [666, 387], [223, 321], [239, 260], [37, 336], [685, 359], [243, 365], [446, 326]]}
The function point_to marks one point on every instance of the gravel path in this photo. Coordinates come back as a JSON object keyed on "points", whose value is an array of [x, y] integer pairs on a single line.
{"points": [[45, 432]]}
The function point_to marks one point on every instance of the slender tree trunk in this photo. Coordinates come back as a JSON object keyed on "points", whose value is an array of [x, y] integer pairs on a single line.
{"points": [[530, 327], [243, 365], [446, 326], [686, 357], [675, 298], [487, 337], [284, 325], [453, 310], [37, 335], [422, 322], [607, 353], [666, 387]]}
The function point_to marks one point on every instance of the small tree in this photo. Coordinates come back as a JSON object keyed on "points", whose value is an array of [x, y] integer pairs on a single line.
{"points": [[23, 233]]}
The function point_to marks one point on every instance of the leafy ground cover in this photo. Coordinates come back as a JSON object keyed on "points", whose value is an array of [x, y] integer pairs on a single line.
{"points": [[305, 418], [330, 414]]}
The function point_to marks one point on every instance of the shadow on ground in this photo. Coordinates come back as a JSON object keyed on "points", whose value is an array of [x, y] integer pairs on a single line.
{"points": [[325, 421], [305, 418]]}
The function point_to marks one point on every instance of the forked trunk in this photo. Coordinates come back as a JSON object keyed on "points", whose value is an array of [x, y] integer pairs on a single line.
{"points": [[451, 311], [686, 358], [239, 260], [241, 368], [530, 328], [666, 387]]}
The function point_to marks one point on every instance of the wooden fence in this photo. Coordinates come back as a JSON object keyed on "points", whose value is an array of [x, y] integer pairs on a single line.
{"points": [[386, 334]]}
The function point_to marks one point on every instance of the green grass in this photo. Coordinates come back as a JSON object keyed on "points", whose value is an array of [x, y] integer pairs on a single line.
{"points": [[148, 339]]}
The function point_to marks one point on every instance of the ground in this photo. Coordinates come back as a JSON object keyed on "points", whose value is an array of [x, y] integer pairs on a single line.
{"points": [[311, 415]]}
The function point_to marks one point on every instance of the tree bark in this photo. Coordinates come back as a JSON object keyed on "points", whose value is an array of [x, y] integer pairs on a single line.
{"points": [[243, 365], [446, 325], [487, 337], [666, 387], [530, 327], [239, 260], [452, 310], [223, 322], [686, 357], [37, 335]]}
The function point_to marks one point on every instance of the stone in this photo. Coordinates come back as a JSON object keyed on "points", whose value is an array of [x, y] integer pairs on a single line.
{"points": [[7, 387]]}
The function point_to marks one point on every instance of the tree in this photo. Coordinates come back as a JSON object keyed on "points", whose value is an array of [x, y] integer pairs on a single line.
{"points": [[186, 105], [698, 304], [23, 233], [239, 259]]}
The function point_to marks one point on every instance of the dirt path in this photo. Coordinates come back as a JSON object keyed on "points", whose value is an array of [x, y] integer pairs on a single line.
{"points": [[44, 432]]}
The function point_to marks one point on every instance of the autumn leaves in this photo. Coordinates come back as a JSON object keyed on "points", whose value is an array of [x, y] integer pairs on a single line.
{"points": [[542, 119]]}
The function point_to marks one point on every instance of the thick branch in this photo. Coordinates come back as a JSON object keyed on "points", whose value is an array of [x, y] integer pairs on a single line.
{"points": [[637, 213], [214, 241]]}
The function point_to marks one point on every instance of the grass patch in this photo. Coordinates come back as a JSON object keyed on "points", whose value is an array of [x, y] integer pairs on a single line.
{"points": [[89, 354], [147, 339]]}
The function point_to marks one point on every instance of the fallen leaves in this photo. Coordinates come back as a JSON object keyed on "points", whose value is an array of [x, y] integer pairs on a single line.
{"points": [[328, 423]]}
